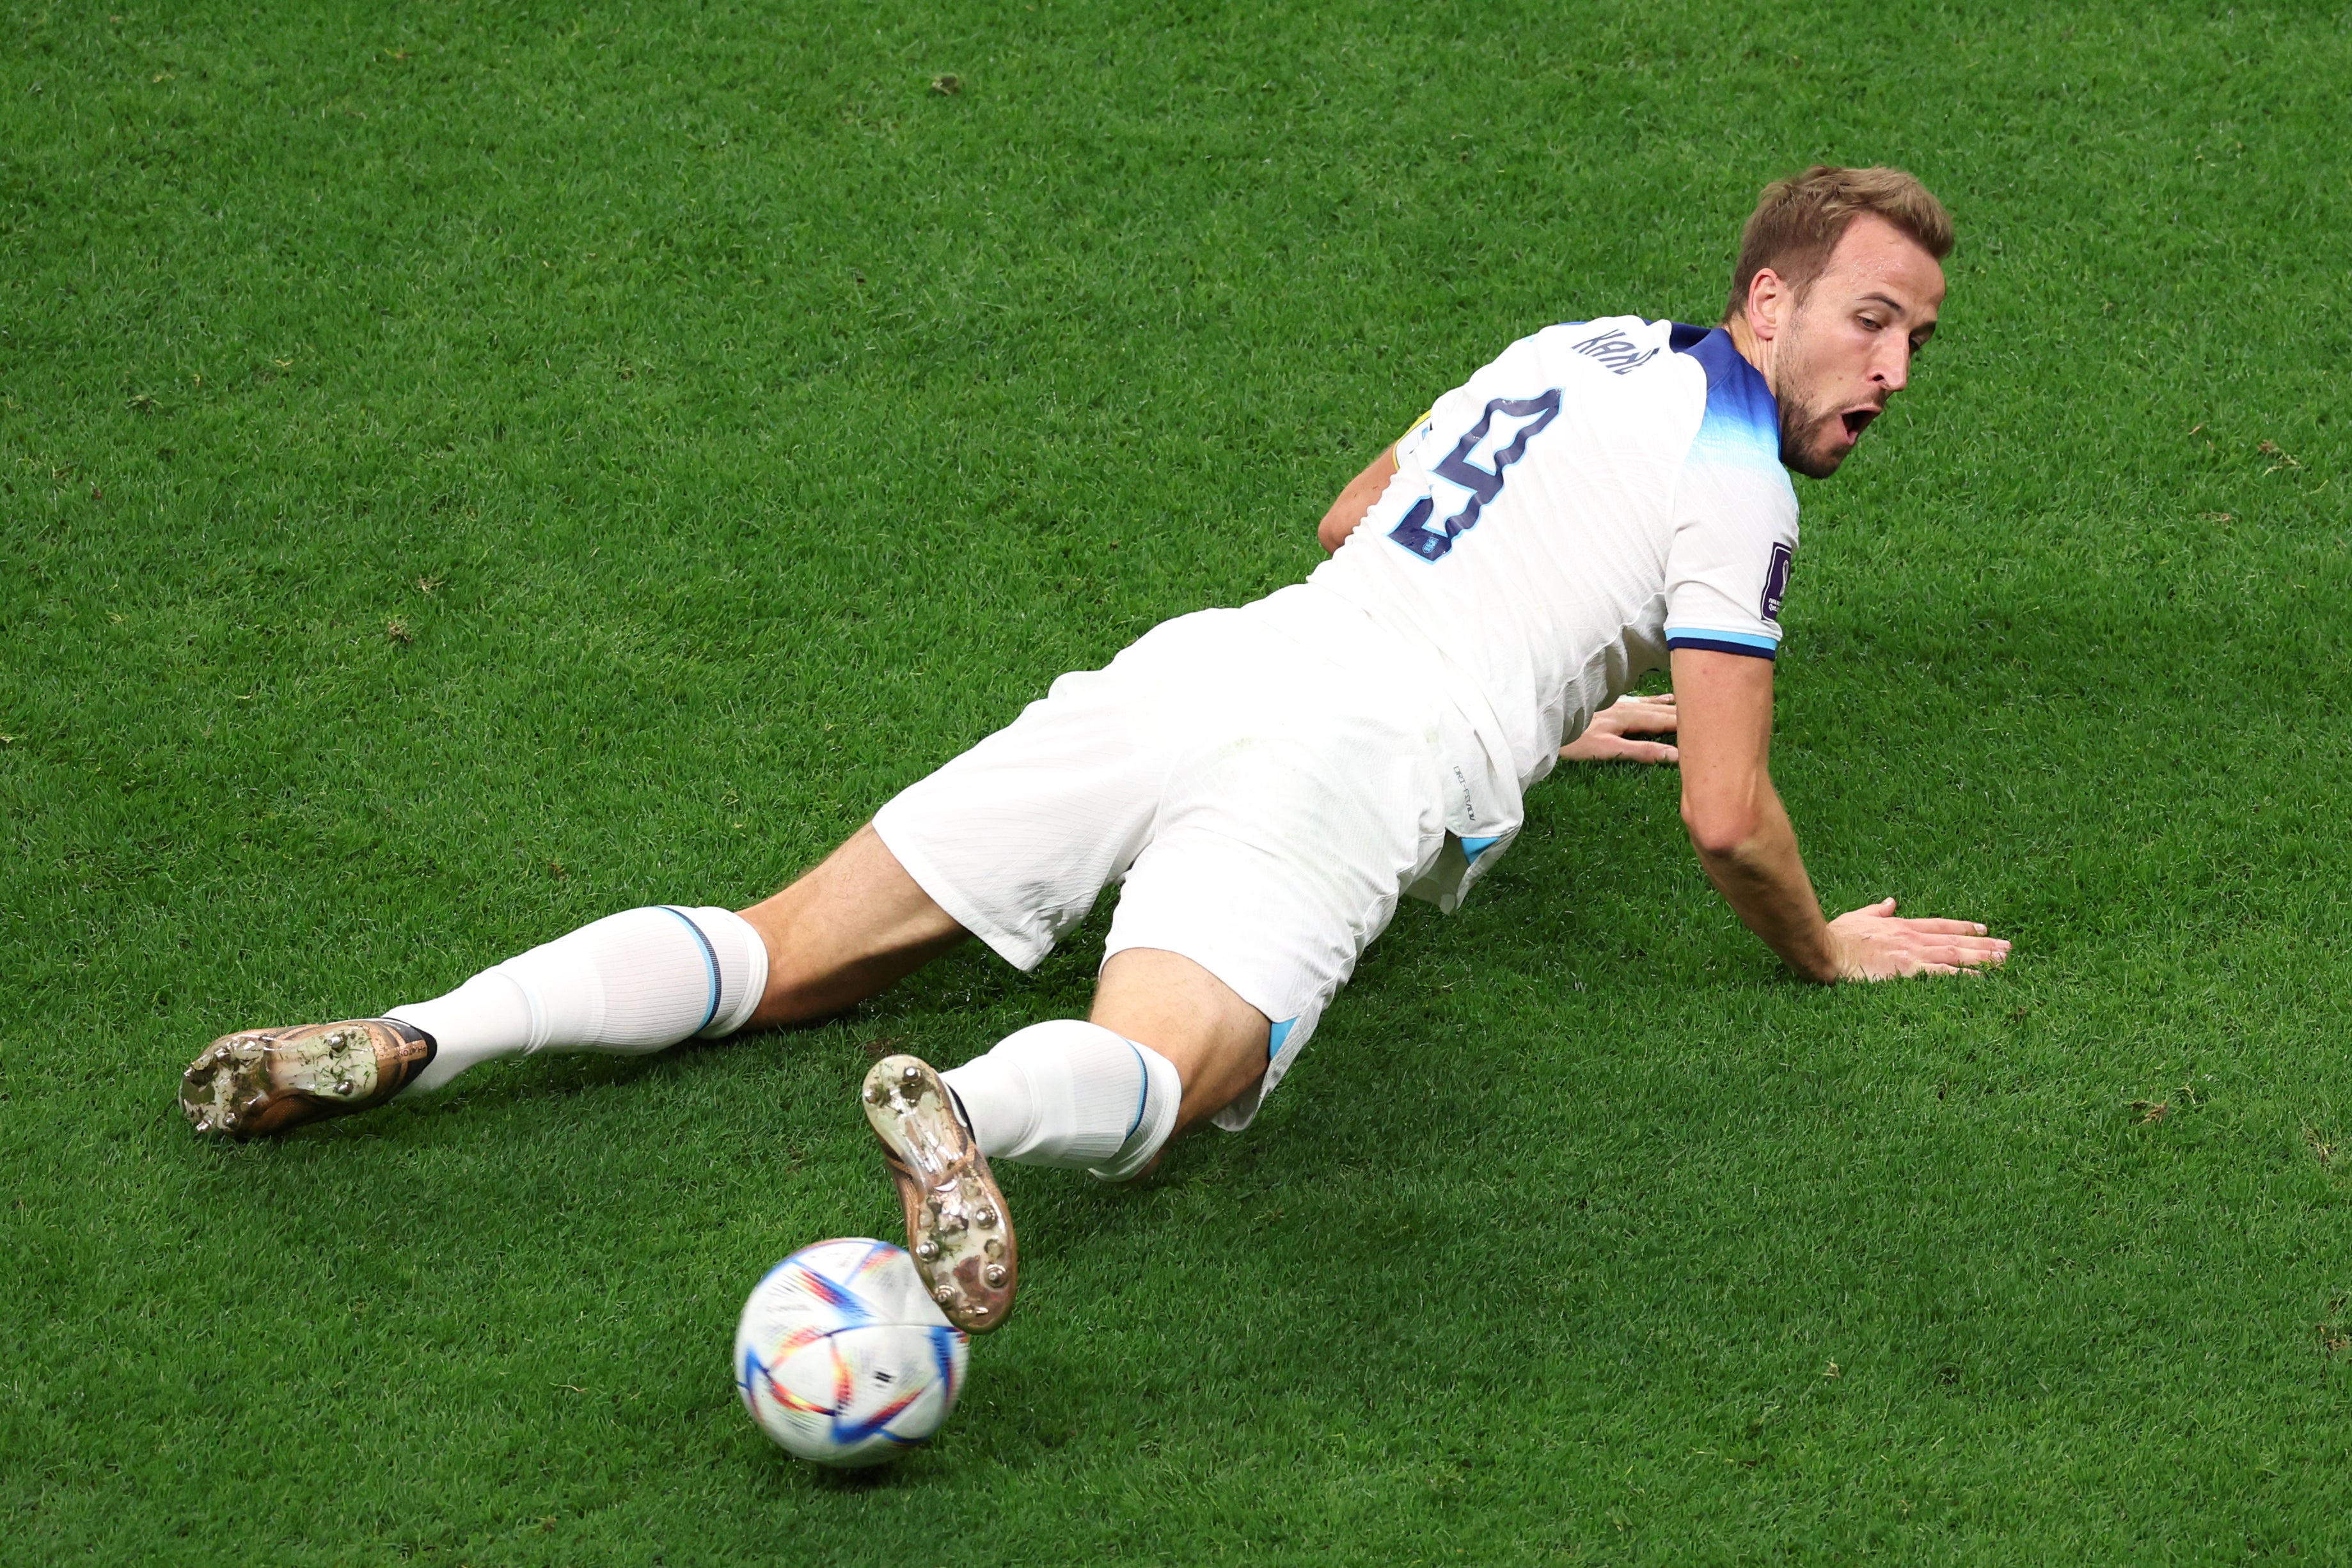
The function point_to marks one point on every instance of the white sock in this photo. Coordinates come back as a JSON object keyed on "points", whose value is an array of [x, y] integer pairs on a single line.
{"points": [[630, 983], [1070, 1093]]}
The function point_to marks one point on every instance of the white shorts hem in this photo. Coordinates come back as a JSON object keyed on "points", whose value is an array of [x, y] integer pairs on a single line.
{"points": [[1159, 942], [1023, 953]]}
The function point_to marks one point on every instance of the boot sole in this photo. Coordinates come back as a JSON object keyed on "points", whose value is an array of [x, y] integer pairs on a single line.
{"points": [[958, 1227], [264, 1080]]}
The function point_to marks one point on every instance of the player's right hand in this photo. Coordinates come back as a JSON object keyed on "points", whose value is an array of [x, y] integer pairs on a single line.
{"points": [[1872, 944], [1606, 739]]}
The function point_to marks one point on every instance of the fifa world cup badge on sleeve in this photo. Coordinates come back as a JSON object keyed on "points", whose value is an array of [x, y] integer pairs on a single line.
{"points": [[1775, 580]]}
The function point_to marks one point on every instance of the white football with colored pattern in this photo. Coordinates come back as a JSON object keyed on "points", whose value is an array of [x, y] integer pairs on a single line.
{"points": [[843, 1358]]}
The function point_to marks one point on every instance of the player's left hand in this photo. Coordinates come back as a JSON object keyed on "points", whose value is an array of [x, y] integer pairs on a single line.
{"points": [[1606, 739], [1872, 944]]}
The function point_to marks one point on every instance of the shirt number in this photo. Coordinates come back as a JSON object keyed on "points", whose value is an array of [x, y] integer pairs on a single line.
{"points": [[1429, 542]]}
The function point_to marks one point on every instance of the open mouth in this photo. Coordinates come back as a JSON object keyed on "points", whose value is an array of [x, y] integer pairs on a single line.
{"points": [[1857, 420]]}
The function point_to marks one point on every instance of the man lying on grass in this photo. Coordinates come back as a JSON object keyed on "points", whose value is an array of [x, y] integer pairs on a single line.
{"points": [[1605, 498]]}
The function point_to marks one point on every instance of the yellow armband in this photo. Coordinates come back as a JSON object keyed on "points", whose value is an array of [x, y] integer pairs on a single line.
{"points": [[1409, 429]]}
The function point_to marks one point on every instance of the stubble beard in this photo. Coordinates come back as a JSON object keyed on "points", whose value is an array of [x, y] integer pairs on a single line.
{"points": [[1803, 426], [1802, 442]]}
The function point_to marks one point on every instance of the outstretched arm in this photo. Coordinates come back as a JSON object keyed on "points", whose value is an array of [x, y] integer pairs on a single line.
{"points": [[1357, 500], [1746, 842]]}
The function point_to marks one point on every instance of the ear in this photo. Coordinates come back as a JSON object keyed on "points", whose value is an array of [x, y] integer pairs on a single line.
{"points": [[1770, 301]]}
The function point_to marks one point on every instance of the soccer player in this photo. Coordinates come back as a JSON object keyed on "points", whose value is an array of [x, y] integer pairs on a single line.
{"points": [[1605, 498]]}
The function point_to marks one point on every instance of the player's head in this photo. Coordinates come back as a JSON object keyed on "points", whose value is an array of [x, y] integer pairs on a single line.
{"points": [[1838, 284]]}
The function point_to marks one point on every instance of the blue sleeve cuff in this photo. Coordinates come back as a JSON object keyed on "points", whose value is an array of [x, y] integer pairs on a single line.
{"points": [[1714, 641]]}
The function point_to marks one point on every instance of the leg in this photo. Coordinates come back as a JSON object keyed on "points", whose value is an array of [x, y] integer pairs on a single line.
{"points": [[1017, 836], [1215, 1041], [1167, 1046], [852, 929], [631, 983], [1260, 874]]}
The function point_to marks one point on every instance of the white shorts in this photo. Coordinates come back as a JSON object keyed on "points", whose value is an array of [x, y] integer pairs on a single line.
{"points": [[1257, 781]]}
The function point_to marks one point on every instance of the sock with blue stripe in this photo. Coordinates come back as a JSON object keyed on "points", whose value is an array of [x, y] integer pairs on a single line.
{"points": [[631, 983], [1069, 1093]]}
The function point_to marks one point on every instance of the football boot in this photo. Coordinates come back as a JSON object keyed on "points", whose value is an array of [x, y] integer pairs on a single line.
{"points": [[957, 1224], [262, 1081]]}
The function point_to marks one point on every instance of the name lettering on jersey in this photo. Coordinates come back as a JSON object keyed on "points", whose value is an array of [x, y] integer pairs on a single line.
{"points": [[1775, 580], [1521, 419], [1616, 352]]}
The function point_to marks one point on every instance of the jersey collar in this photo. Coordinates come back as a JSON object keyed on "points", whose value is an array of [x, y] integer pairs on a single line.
{"points": [[1736, 392]]}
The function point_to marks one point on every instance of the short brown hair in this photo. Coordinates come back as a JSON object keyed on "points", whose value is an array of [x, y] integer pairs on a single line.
{"points": [[1800, 220]]}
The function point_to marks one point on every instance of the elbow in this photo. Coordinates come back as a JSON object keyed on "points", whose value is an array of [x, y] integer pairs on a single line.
{"points": [[1336, 527], [1720, 832]]}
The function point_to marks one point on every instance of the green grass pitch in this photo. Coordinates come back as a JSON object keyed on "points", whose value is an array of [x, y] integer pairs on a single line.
{"points": [[464, 469]]}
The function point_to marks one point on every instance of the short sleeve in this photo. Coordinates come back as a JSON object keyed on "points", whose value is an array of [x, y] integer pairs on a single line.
{"points": [[1727, 565], [1735, 513]]}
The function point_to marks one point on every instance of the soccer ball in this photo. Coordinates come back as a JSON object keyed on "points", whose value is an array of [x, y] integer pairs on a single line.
{"points": [[843, 1358]]}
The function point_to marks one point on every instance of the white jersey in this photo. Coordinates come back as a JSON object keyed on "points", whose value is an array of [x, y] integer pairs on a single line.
{"points": [[1265, 782], [1601, 493]]}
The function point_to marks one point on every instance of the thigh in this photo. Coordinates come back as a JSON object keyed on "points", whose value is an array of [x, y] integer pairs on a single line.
{"points": [[1275, 864], [852, 927], [1016, 838], [1012, 842]]}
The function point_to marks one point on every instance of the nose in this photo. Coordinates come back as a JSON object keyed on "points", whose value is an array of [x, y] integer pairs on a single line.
{"points": [[1891, 368]]}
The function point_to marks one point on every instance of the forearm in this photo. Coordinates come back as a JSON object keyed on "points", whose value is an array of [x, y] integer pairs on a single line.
{"points": [[1356, 501], [1762, 877], [1724, 709]]}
